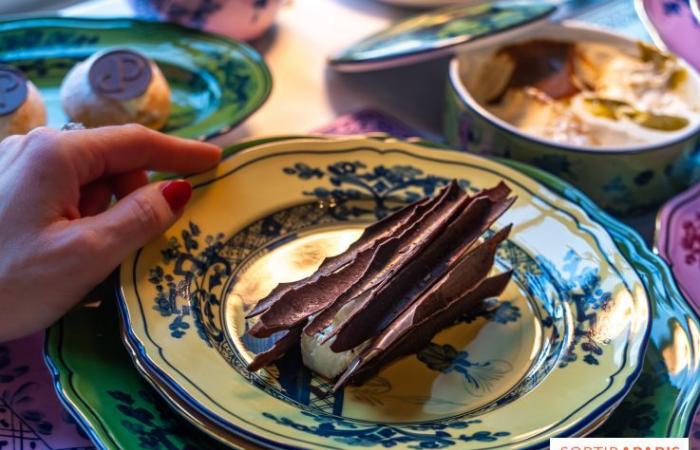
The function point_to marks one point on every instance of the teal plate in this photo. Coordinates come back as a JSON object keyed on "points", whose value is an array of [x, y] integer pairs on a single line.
{"points": [[215, 82], [440, 32], [660, 403]]}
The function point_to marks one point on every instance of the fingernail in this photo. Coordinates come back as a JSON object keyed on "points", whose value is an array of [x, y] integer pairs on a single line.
{"points": [[177, 193]]}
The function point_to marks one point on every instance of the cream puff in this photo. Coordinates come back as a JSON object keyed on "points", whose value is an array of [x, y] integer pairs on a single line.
{"points": [[116, 87], [21, 106]]}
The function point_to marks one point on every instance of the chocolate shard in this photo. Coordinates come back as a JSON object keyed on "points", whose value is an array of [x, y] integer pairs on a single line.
{"points": [[295, 307], [422, 237], [284, 344], [396, 252], [408, 277], [323, 319], [379, 230], [405, 336], [393, 295], [463, 277]]}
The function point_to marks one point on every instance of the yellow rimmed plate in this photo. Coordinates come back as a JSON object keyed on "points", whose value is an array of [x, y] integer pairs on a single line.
{"points": [[571, 326]]}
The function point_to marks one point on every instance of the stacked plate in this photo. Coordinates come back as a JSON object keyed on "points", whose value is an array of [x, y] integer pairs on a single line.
{"points": [[558, 354]]}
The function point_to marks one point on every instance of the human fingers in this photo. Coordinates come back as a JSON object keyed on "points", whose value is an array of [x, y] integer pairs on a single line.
{"points": [[125, 184], [131, 223], [118, 149], [95, 198]]}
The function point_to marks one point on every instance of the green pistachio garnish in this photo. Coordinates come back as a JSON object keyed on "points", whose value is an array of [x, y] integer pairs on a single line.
{"points": [[677, 78], [660, 122], [649, 53], [604, 107], [616, 109]]}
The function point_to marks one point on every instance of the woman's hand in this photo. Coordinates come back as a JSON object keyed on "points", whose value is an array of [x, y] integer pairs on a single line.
{"points": [[58, 240]]}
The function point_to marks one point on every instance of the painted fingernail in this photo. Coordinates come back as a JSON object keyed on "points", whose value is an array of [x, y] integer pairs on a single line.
{"points": [[177, 193]]}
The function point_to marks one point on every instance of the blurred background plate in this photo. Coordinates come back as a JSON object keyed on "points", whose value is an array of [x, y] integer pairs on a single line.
{"points": [[430, 3], [672, 26], [678, 240], [695, 7], [215, 82]]}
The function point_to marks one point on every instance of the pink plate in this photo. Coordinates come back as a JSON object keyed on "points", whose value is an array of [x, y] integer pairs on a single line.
{"points": [[672, 25], [31, 416], [678, 242]]}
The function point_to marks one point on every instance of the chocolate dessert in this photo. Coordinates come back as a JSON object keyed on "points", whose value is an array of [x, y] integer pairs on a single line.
{"points": [[405, 279]]}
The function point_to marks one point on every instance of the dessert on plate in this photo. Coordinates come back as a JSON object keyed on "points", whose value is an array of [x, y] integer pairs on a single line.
{"points": [[586, 94], [116, 87], [407, 277], [21, 106]]}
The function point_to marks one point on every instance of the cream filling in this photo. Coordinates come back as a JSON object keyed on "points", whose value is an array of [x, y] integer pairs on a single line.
{"points": [[618, 77], [320, 358]]}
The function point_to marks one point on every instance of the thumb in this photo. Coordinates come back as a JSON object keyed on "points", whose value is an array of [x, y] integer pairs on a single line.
{"points": [[137, 219]]}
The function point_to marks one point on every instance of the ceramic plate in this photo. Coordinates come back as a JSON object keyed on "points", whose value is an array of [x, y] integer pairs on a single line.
{"points": [[656, 406], [576, 313], [215, 82], [439, 33], [672, 26], [429, 3], [695, 7], [31, 416], [121, 411], [677, 240]]}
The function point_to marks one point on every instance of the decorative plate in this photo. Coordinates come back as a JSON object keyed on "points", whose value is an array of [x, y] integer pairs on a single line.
{"points": [[678, 240], [575, 315], [617, 15], [31, 417], [121, 411], [672, 26], [662, 401], [428, 3], [656, 406], [439, 33], [215, 82], [695, 7]]}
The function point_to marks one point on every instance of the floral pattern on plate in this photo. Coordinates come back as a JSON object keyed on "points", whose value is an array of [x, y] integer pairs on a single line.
{"points": [[31, 417], [673, 26], [650, 409], [212, 265], [678, 242]]}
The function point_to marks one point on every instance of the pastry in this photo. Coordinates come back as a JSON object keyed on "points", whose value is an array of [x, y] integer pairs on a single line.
{"points": [[21, 107], [116, 87], [405, 279]]}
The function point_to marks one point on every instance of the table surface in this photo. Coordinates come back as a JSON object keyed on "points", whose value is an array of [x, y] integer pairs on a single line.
{"points": [[308, 94]]}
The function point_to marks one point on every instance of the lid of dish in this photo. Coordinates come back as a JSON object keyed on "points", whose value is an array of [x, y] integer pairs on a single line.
{"points": [[438, 33]]}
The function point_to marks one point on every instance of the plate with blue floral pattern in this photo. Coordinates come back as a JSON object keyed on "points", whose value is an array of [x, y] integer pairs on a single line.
{"points": [[215, 82], [572, 325]]}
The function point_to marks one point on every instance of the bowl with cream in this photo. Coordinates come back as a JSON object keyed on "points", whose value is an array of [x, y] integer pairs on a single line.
{"points": [[616, 117]]}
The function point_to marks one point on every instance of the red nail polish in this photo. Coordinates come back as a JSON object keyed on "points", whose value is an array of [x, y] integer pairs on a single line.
{"points": [[177, 193]]}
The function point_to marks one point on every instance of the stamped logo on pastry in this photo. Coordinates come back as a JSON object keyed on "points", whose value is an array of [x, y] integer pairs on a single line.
{"points": [[13, 89], [120, 75]]}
